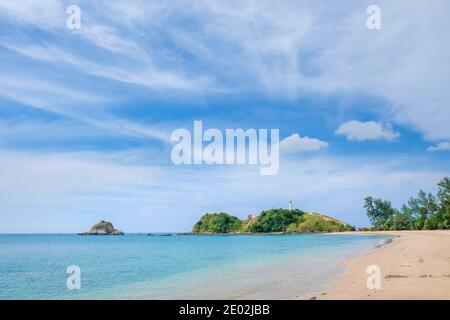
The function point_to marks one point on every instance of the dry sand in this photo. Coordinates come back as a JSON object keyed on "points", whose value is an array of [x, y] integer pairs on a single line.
{"points": [[415, 265]]}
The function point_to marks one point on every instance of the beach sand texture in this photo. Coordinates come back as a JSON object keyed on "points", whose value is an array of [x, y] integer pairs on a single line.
{"points": [[415, 265]]}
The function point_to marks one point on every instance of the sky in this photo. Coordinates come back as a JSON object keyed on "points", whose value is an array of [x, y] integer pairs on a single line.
{"points": [[86, 114]]}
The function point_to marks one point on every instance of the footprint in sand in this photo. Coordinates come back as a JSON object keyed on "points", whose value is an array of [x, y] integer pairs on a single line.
{"points": [[394, 276]]}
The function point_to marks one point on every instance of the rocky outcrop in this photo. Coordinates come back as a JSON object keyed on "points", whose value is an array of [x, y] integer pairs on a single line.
{"points": [[103, 228]]}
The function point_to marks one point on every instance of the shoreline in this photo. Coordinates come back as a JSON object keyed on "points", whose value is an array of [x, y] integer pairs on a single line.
{"points": [[414, 265]]}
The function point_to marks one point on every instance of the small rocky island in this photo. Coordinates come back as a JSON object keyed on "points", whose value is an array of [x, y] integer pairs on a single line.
{"points": [[102, 228]]}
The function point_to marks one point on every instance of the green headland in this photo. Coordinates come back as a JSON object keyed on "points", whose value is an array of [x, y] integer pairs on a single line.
{"points": [[270, 221]]}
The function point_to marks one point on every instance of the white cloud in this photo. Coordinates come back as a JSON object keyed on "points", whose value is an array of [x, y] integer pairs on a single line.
{"points": [[294, 144], [138, 65], [369, 130], [46, 95], [442, 146], [31, 130], [45, 14], [389, 64], [144, 73], [75, 105]]}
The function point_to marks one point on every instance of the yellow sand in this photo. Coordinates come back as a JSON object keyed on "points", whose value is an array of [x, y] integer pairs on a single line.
{"points": [[415, 265]]}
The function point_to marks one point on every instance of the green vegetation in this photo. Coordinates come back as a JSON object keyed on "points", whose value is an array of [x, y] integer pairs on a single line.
{"points": [[103, 228], [319, 223], [426, 212], [102, 225], [217, 223], [273, 220]]}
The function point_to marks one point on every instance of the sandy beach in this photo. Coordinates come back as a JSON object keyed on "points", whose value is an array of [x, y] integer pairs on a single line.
{"points": [[415, 265]]}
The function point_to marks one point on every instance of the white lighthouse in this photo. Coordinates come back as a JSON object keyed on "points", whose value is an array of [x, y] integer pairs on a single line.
{"points": [[290, 205]]}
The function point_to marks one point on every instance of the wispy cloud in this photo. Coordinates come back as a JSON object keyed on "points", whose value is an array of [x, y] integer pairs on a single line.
{"points": [[140, 74], [441, 146], [282, 49], [369, 130], [295, 144], [74, 104], [45, 95], [46, 14]]}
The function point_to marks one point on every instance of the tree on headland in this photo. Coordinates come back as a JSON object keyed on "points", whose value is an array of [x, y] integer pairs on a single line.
{"points": [[444, 203], [425, 212], [217, 223], [379, 212], [276, 220]]}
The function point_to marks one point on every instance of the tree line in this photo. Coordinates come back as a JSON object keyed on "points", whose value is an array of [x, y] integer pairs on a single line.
{"points": [[424, 212], [272, 220]]}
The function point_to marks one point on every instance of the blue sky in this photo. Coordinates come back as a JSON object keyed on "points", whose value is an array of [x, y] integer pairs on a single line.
{"points": [[86, 114]]}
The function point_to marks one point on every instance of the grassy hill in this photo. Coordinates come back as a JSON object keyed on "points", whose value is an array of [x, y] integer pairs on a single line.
{"points": [[273, 220], [315, 222]]}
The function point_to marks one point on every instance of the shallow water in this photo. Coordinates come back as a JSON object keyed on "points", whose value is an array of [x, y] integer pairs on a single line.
{"points": [[174, 267]]}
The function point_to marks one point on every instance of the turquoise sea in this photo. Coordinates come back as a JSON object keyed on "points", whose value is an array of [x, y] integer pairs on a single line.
{"points": [[33, 266]]}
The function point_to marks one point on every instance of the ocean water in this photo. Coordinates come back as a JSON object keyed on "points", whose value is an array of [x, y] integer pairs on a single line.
{"points": [[34, 266]]}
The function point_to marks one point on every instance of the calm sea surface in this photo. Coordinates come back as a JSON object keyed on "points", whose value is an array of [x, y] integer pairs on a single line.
{"points": [[174, 267]]}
